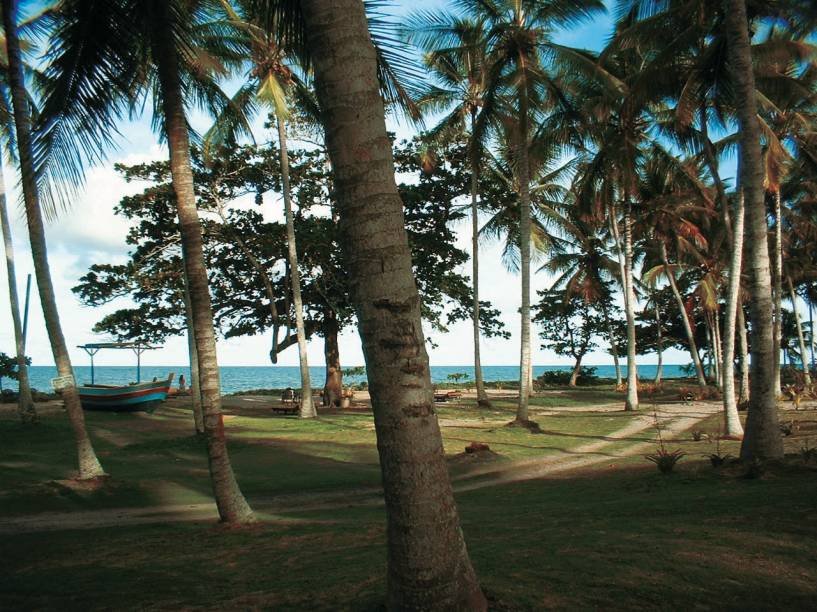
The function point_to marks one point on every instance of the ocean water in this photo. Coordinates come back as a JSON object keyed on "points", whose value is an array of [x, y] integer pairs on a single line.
{"points": [[245, 378]]}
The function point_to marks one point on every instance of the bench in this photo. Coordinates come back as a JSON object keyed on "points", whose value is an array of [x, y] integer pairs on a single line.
{"points": [[285, 409], [444, 396]]}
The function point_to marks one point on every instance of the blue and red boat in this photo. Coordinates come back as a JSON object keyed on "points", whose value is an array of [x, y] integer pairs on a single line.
{"points": [[133, 397], [128, 398]]}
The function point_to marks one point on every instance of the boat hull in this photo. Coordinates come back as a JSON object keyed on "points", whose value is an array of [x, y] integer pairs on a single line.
{"points": [[129, 398]]}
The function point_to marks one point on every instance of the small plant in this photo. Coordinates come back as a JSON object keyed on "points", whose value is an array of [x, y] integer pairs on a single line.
{"points": [[666, 460], [807, 452], [698, 435], [716, 459]]}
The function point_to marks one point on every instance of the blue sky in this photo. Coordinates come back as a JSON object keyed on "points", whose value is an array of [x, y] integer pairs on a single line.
{"points": [[90, 233]]}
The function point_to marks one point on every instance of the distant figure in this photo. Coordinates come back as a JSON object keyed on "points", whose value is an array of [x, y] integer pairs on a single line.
{"points": [[154, 379], [182, 384]]}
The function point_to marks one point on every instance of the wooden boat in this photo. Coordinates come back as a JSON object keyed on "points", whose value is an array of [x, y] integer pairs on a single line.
{"points": [[128, 398]]}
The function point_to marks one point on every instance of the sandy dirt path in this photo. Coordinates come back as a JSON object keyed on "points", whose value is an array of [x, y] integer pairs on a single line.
{"points": [[674, 421]]}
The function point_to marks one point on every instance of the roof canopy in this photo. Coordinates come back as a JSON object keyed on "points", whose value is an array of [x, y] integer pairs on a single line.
{"points": [[118, 345]]}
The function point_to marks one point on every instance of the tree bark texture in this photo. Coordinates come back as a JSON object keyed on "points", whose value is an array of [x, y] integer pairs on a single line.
{"points": [[482, 396], [89, 466], [800, 338], [659, 343], [631, 403], [195, 385], [732, 424], [333, 386], [762, 437], [777, 290], [523, 171], [428, 564]]}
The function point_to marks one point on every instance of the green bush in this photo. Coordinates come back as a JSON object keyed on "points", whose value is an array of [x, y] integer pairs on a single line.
{"points": [[587, 376]]}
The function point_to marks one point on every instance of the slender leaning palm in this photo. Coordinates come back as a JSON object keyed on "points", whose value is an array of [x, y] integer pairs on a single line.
{"points": [[456, 56], [271, 81], [521, 83], [89, 466], [25, 403], [105, 58]]}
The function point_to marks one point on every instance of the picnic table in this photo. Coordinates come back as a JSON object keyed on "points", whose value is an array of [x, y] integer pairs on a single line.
{"points": [[444, 396]]}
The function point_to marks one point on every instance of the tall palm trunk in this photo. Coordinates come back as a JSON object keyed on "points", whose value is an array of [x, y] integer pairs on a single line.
{"points": [[613, 348], [25, 404], [762, 438], [428, 565], [777, 291], [659, 344], [89, 466], [523, 171], [482, 396], [716, 334], [195, 385], [800, 339], [232, 507], [307, 406], [693, 346], [732, 424], [631, 403], [743, 357]]}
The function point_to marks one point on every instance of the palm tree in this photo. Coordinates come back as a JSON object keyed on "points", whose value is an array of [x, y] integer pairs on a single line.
{"points": [[519, 34], [105, 57], [271, 81], [456, 55], [89, 466], [428, 566], [25, 403], [762, 438]]}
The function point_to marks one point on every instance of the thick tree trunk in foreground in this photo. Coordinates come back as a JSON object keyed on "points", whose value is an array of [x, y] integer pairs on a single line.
{"points": [[307, 406], [777, 291], [89, 466], [693, 346], [232, 507], [800, 338], [428, 565], [762, 438], [25, 404], [333, 386], [523, 171], [195, 386], [482, 396], [732, 425]]}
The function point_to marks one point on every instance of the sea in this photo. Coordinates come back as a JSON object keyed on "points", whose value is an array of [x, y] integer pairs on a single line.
{"points": [[246, 378]]}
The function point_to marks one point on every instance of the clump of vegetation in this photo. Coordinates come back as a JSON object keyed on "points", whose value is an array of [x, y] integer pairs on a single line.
{"points": [[698, 394], [698, 435], [716, 458], [458, 378], [665, 460], [586, 376]]}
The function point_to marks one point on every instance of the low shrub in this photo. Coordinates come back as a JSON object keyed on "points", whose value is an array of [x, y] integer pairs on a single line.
{"points": [[587, 376], [666, 460]]}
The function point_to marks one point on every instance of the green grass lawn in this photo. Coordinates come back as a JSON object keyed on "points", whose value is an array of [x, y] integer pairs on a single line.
{"points": [[614, 535]]}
